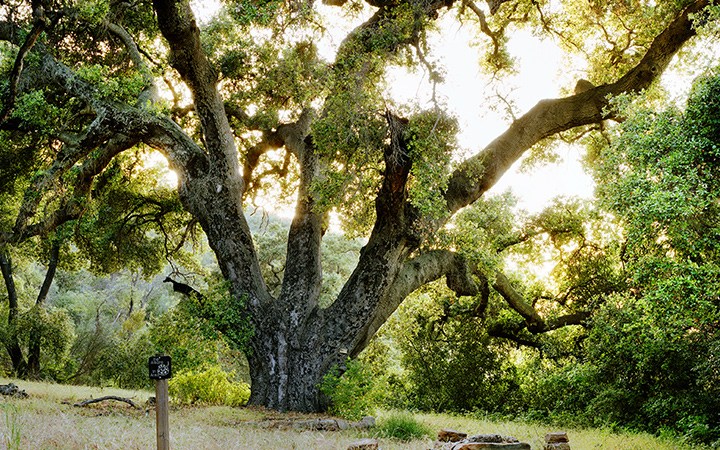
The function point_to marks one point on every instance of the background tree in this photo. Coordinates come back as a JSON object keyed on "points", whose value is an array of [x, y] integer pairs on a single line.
{"points": [[264, 104]]}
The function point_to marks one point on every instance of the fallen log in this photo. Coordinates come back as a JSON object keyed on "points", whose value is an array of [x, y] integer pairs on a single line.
{"points": [[107, 397]]}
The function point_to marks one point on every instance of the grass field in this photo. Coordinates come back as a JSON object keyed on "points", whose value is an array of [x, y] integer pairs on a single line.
{"points": [[47, 420]]}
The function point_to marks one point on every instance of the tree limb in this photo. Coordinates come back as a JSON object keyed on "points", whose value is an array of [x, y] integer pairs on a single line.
{"points": [[479, 173], [178, 26], [150, 92], [72, 206], [11, 342], [534, 321], [50, 274], [37, 29], [420, 271]]}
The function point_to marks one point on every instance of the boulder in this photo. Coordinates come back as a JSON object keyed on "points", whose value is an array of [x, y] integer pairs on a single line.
{"points": [[557, 446], [490, 438], [557, 441], [365, 422], [12, 390]]}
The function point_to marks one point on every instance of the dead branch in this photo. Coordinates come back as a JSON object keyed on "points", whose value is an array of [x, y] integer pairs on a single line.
{"points": [[107, 397]]}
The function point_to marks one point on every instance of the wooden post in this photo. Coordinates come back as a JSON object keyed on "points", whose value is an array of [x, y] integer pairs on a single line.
{"points": [[162, 414], [160, 368]]}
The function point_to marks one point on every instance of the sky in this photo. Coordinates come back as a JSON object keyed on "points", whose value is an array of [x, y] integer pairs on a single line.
{"points": [[467, 91]]}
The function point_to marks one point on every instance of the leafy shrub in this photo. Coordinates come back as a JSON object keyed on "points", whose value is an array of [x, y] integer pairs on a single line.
{"points": [[453, 365], [402, 426], [354, 393], [122, 361], [209, 385]]}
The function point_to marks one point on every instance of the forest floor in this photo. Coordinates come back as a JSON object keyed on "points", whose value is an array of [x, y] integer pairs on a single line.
{"points": [[47, 419]]}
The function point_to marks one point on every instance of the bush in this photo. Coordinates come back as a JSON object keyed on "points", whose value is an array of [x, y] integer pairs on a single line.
{"points": [[402, 426], [209, 385], [354, 393], [122, 360]]}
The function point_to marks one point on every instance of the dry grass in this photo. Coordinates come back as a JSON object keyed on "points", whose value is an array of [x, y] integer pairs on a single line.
{"points": [[43, 421]]}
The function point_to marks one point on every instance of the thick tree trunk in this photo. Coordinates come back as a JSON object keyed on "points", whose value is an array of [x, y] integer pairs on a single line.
{"points": [[287, 378]]}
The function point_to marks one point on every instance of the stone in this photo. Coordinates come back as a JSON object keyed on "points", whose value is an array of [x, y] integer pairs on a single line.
{"points": [[491, 438], [365, 422], [559, 436], [447, 435], [491, 446], [12, 390], [364, 444], [316, 425], [557, 446]]}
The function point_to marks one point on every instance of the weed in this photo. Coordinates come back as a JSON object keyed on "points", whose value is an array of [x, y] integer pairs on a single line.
{"points": [[12, 435]]}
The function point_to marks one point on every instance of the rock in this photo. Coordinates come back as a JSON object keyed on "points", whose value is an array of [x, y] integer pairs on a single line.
{"points": [[557, 441], [490, 438], [491, 446], [12, 390], [364, 444], [317, 425], [560, 436], [365, 422], [447, 435], [557, 446]]}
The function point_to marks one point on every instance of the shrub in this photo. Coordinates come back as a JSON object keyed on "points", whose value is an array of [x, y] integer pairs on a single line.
{"points": [[354, 393], [209, 385], [402, 426], [122, 360]]}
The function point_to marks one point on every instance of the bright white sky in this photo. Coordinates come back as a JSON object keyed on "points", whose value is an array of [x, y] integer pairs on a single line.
{"points": [[467, 93], [542, 73]]}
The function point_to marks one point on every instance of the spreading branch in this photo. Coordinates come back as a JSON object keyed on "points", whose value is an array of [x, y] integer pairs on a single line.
{"points": [[421, 270], [40, 23], [535, 323], [150, 92], [479, 173]]}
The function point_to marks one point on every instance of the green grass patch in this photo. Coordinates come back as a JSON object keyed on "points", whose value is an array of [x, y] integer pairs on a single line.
{"points": [[403, 426]]}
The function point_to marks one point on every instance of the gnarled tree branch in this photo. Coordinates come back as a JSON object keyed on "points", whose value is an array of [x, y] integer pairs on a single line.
{"points": [[534, 321], [479, 173]]}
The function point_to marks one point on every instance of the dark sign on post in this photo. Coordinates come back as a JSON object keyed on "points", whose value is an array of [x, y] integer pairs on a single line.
{"points": [[160, 370], [159, 367]]}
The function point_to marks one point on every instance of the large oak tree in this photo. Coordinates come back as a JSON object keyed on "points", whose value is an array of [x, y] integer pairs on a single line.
{"points": [[90, 81]]}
